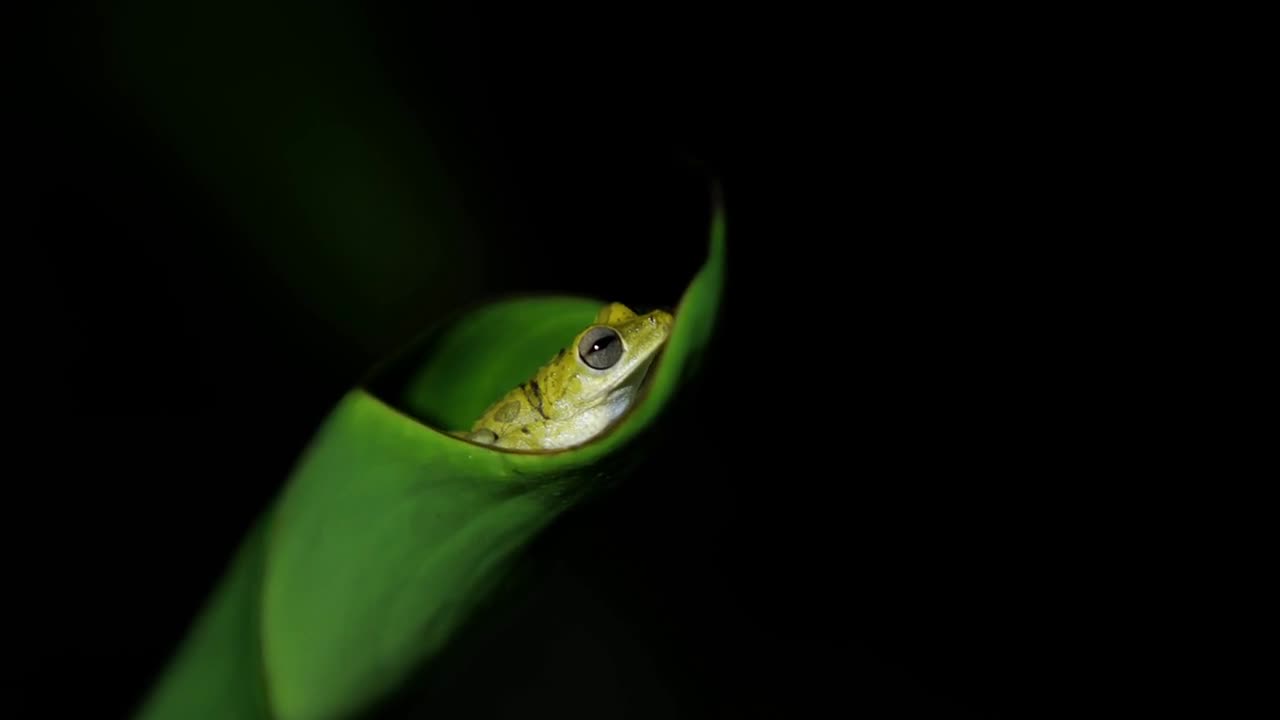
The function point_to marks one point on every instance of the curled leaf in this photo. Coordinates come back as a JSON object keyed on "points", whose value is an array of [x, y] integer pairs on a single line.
{"points": [[390, 530]]}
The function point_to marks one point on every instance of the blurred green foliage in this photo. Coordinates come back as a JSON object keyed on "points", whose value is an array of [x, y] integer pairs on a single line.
{"points": [[280, 112]]}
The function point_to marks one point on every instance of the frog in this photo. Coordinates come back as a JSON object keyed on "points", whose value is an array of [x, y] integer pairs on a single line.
{"points": [[583, 390]]}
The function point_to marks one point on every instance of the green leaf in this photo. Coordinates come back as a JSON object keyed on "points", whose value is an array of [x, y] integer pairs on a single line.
{"points": [[391, 532], [217, 673]]}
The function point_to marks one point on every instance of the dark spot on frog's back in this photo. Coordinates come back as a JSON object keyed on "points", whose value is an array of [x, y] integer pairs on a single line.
{"points": [[534, 393], [507, 412], [525, 429]]}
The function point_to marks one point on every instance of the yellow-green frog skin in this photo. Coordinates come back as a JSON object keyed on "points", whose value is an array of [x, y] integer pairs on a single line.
{"points": [[583, 389]]}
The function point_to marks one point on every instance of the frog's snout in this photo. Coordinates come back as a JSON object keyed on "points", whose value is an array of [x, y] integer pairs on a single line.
{"points": [[662, 320]]}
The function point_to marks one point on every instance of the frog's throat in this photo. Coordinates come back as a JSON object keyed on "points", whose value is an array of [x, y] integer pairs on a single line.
{"points": [[622, 394]]}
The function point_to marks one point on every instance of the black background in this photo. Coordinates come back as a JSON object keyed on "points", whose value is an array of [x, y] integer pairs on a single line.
{"points": [[900, 505]]}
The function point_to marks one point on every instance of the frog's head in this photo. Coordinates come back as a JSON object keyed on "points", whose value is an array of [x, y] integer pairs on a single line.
{"points": [[609, 360]]}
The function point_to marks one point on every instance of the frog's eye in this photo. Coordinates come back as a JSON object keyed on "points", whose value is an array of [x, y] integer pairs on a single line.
{"points": [[601, 348]]}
